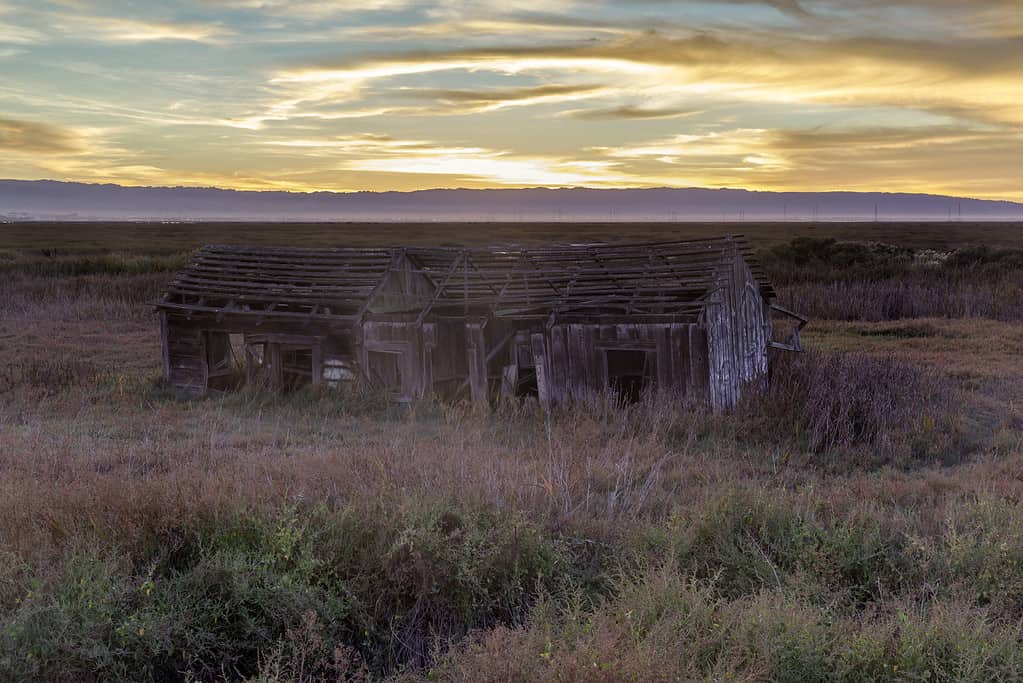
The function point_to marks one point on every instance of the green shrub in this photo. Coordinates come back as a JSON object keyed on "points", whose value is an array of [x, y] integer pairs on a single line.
{"points": [[666, 626], [388, 589], [744, 545]]}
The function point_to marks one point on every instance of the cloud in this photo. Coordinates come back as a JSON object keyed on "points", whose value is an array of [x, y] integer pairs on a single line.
{"points": [[793, 7], [28, 136], [630, 112], [374, 153], [473, 101], [911, 159], [974, 78], [312, 9], [12, 34], [128, 30]]}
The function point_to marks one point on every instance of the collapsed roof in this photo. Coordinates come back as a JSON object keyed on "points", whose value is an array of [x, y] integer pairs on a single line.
{"points": [[673, 279]]}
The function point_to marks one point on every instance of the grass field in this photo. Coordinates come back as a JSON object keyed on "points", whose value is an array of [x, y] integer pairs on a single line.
{"points": [[859, 521]]}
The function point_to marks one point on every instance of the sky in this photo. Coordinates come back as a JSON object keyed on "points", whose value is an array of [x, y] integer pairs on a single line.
{"points": [[306, 95]]}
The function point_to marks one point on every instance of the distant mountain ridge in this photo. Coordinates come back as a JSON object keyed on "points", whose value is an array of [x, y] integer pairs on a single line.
{"points": [[57, 200]]}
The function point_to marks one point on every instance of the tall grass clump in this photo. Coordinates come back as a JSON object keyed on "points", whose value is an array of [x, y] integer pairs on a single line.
{"points": [[880, 407]]}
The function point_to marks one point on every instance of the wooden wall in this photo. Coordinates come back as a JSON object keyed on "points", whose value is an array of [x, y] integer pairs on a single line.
{"points": [[738, 323], [455, 358], [184, 355], [575, 358], [386, 345]]}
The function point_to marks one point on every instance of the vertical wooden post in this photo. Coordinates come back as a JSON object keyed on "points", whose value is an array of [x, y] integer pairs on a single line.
{"points": [[250, 364], [540, 360], [476, 350], [317, 353], [276, 371], [509, 381], [204, 362], [165, 347], [428, 339]]}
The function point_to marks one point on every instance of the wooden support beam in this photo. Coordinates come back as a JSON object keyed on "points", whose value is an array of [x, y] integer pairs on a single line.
{"points": [[317, 354], [476, 357], [500, 346], [543, 389], [395, 261], [273, 353], [439, 290]]}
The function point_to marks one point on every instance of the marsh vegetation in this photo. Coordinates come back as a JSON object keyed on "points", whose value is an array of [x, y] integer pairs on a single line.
{"points": [[859, 520]]}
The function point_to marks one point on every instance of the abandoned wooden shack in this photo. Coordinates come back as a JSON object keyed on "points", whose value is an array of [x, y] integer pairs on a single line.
{"points": [[688, 318]]}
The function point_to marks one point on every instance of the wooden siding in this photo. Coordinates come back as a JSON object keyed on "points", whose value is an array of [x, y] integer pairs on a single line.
{"points": [[184, 355], [738, 327], [576, 366]]}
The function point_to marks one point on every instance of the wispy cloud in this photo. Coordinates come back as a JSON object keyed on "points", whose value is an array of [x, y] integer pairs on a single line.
{"points": [[129, 30], [376, 153], [475, 101], [974, 78], [12, 34], [17, 135], [916, 159], [630, 112]]}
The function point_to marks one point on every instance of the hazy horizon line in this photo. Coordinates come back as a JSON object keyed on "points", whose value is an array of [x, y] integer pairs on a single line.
{"points": [[507, 189]]}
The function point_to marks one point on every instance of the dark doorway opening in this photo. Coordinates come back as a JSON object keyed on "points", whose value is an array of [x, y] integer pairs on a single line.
{"points": [[296, 366], [279, 367], [385, 370], [628, 373], [222, 370], [526, 384]]}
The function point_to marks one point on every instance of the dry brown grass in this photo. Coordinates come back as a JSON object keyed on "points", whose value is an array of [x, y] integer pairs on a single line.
{"points": [[684, 546]]}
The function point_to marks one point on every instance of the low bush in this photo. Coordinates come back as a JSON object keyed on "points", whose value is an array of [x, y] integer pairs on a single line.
{"points": [[743, 544]]}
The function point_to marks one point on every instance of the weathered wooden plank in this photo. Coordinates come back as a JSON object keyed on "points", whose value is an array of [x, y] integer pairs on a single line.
{"points": [[663, 356], [317, 363], [578, 359], [165, 346], [559, 365], [699, 362], [275, 363], [476, 358], [540, 362]]}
